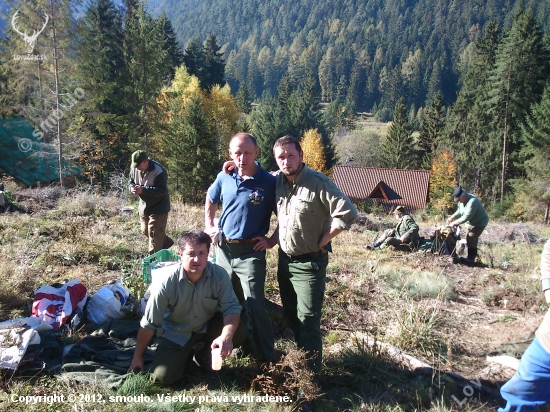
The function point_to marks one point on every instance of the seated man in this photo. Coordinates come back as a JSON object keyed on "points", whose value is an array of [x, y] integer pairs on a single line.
{"points": [[194, 304], [529, 388], [403, 237]]}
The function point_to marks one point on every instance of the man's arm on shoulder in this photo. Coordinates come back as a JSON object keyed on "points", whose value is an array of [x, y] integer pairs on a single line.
{"points": [[225, 340]]}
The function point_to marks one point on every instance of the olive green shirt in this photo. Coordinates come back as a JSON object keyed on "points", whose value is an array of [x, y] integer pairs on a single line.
{"points": [[306, 208], [407, 228], [177, 308], [472, 213]]}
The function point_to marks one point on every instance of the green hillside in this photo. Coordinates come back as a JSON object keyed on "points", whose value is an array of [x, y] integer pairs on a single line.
{"points": [[370, 51]]}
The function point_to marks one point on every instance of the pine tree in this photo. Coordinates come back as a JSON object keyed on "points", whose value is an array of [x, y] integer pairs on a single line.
{"points": [[269, 121], [398, 147], [39, 87]]}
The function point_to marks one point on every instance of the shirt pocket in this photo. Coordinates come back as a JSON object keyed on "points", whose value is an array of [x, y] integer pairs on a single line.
{"points": [[306, 217], [210, 305]]}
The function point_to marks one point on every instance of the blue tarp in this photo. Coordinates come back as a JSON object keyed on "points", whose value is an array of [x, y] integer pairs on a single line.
{"points": [[26, 157]]}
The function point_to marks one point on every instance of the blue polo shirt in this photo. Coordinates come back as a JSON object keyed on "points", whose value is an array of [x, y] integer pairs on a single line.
{"points": [[247, 204]]}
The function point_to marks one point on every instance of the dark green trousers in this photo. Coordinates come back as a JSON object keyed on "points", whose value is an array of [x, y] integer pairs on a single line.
{"points": [[302, 288], [247, 270], [170, 358], [473, 235]]}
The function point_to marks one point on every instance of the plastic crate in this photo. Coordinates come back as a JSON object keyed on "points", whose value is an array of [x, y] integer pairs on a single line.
{"points": [[148, 263]]}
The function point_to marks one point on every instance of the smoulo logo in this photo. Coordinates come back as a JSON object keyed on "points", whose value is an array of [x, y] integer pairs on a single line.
{"points": [[29, 40]]}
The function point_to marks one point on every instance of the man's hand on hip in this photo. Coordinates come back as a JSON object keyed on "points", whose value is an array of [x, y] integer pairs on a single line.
{"points": [[263, 243]]}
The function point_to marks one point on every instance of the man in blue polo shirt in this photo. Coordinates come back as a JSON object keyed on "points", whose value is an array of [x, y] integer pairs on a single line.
{"points": [[247, 195]]}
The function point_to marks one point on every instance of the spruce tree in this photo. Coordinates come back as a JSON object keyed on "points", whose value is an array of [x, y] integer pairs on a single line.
{"points": [[145, 58], [174, 54], [534, 189], [242, 98], [398, 147], [101, 71], [517, 81], [190, 148], [467, 128], [431, 131], [214, 64]]}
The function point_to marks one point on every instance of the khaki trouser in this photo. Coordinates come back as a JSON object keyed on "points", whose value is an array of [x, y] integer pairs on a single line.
{"points": [[154, 227]]}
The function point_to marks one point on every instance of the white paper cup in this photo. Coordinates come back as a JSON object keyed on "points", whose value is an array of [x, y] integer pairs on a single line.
{"points": [[217, 359]]}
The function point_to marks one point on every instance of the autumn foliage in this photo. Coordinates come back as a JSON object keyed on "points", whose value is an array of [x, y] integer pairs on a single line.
{"points": [[442, 180], [314, 155]]}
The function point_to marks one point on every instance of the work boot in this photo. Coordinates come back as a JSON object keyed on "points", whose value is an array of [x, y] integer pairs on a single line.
{"points": [[471, 259]]}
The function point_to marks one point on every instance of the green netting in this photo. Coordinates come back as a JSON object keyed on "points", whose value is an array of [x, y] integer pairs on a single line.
{"points": [[26, 157]]}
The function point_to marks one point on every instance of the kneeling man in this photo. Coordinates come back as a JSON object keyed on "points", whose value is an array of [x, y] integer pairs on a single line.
{"points": [[195, 303]]}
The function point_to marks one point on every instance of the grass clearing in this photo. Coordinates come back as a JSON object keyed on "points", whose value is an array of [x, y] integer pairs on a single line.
{"points": [[436, 312]]}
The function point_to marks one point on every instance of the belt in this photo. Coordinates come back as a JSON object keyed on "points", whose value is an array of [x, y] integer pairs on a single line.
{"points": [[241, 241], [305, 256]]}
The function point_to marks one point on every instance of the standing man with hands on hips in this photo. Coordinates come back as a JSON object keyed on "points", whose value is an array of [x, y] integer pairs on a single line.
{"points": [[247, 195], [311, 211]]}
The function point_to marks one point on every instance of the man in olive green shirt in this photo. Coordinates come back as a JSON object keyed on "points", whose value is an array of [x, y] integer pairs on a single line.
{"points": [[471, 212], [311, 211], [405, 235], [195, 303]]}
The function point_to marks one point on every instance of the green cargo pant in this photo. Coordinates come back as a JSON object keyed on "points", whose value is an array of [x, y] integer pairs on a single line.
{"points": [[170, 358], [247, 270], [302, 288]]}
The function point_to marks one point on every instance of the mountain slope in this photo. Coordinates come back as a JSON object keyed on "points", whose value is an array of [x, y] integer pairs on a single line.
{"points": [[366, 44]]}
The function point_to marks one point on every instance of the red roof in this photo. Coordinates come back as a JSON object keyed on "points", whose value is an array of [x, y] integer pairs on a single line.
{"points": [[389, 187]]}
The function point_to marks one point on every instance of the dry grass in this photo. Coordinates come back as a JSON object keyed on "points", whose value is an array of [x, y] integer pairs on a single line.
{"points": [[412, 301]]}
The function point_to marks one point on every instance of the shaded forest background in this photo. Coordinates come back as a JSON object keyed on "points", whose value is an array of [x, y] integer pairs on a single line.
{"points": [[465, 85]]}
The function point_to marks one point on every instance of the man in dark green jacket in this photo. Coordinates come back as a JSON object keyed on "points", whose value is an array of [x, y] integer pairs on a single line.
{"points": [[149, 181], [403, 237], [471, 212]]}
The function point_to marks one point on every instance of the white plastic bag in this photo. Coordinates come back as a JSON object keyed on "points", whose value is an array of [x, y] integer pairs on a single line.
{"points": [[107, 302]]}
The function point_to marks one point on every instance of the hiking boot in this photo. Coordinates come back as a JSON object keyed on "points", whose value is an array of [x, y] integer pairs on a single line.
{"points": [[453, 260], [471, 259], [369, 247]]}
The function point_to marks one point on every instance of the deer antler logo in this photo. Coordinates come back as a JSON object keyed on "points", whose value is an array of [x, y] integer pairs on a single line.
{"points": [[29, 40]]}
